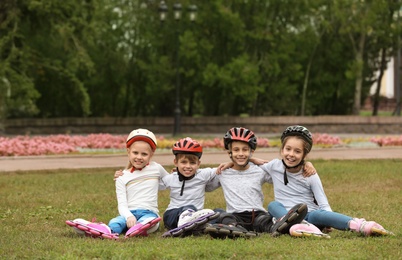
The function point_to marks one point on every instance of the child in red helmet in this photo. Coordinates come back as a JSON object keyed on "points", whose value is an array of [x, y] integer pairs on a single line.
{"points": [[136, 190], [242, 186], [185, 214]]}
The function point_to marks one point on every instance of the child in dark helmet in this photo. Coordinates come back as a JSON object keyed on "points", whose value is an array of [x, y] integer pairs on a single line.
{"points": [[242, 186], [290, 189]]}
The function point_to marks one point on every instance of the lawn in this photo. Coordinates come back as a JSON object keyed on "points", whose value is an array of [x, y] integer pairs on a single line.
{"points": [[35, 205]]}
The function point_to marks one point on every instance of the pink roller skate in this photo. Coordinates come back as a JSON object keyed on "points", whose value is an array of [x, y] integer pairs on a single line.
{"points": [[93, 229], [142, 228], [368, 228], [306, 229]]}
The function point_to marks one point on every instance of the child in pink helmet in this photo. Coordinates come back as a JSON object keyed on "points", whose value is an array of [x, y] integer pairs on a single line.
{"points": [[136, 190]]}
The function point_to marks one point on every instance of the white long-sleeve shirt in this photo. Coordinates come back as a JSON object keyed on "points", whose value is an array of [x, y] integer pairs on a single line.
{"points": [[139, 189], [243, 189], [194, 189], [298, 190]]}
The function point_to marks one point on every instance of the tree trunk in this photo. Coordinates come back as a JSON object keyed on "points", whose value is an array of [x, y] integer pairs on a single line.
{"points": [[383, 66], [359, 76]]}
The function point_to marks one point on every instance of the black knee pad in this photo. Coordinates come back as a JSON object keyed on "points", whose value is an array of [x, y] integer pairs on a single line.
{"points": [[262, 223], [227, 219]]}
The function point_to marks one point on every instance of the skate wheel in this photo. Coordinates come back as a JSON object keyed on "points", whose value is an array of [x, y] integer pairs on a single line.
{"points": [[83, 228], [203, 221], [191, 226]]}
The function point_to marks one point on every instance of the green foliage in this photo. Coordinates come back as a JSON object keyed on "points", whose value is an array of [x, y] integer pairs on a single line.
{"points": [[35, 206], [108, 58]]}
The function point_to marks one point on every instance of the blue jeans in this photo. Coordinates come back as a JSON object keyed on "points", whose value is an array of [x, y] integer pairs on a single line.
{"points": [[320, 218], [119, 224], [171, 217]]}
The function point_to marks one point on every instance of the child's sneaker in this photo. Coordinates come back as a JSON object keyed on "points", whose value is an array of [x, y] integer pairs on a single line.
{"points": [[191, 216], [368, 228], [101, 230], [294, 216], [223, 231], [191, 220], [306, 229], [93, 229], [78, 221], [143, 228]]}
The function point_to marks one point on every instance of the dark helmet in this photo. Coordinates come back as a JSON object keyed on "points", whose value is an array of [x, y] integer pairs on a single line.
{"points": [[298, 130], [187, 145], [240, 134]]}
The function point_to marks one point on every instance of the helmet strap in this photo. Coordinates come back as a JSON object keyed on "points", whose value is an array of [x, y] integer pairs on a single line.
{"points": [[137, 169], [183, 179], [285, 176]]}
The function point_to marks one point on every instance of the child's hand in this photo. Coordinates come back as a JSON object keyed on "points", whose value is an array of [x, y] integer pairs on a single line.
{"points": [[308, 169], [117, 174], [224, 166], [258, 161], [131, 221]]}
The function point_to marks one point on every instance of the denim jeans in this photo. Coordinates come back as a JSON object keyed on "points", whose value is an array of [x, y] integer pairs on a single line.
{"points": [[171, 217], [118, 224], [320, 218]]}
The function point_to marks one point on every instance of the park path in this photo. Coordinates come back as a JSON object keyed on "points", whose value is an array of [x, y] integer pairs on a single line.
{"points": [[117, 161]]}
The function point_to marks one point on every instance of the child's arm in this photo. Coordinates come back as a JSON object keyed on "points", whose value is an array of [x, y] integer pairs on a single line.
{"points": [[258, 161], [308, 169], [224, 166]]}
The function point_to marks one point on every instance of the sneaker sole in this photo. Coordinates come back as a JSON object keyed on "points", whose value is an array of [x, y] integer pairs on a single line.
{"points": [[309, 234], [176, 232], [91, 231], [290, 219], [142, 230], [380, 232]]}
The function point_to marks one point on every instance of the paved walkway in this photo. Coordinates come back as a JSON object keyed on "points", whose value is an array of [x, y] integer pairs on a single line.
{"points": [[117, 161]]}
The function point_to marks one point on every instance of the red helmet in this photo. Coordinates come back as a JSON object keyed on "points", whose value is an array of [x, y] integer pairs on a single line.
{"points": [[240, 134], [187, 145]]}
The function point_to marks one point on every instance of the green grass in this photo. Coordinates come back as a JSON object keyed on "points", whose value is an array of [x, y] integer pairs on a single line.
{"points": [[379, 113], [35, 205]]}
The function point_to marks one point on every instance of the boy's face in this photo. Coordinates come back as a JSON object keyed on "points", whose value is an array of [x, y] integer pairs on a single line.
{"points": [[241, 153], [292, 152], [187, 165], [139, 154]]}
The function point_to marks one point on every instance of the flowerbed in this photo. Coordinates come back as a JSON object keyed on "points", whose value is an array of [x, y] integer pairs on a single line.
{"points": [[67, 144]]}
